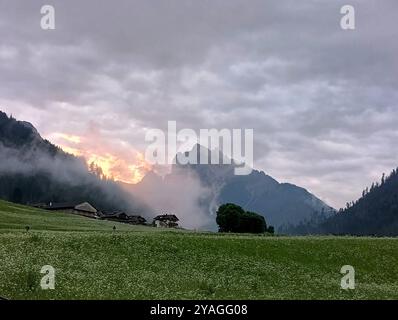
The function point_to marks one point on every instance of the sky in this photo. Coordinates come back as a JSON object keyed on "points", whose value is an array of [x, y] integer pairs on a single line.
{"points": [[322, 101]]}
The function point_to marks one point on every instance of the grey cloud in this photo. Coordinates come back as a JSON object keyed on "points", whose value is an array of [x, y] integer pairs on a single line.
{"points": [[322, 101]]}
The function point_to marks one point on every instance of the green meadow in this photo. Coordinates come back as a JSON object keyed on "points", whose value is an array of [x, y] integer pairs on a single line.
{"points": [[93, 261]]}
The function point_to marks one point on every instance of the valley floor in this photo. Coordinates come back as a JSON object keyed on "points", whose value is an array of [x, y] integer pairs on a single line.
{"points": [[94, 262]]}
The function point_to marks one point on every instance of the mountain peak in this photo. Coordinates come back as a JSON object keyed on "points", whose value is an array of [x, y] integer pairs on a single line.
{"points": [[201, 155]]}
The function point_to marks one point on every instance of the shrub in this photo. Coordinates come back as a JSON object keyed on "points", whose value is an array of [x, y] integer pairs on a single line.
{"points": [[271, 230]]}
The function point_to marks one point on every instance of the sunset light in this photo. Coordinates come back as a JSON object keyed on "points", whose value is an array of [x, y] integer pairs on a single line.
{"points": [[198, 159], [121, 165]]}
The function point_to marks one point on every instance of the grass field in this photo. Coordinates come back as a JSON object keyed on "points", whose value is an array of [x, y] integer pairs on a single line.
{"points": [[94, 262]]}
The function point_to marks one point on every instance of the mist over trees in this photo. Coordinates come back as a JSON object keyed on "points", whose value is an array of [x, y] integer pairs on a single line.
{"points": [[32, 170]]}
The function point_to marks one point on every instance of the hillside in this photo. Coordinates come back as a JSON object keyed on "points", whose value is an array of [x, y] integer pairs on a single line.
{"points": [[94, 262], [32, 170], [15, 218], [375, 213]]}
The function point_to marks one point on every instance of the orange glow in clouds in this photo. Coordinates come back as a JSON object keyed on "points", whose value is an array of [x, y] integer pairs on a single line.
{"points": [[116, 160]]}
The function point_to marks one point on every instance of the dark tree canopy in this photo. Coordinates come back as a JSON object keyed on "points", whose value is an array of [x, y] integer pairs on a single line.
{"points": [[232, 218], [374, 214]]}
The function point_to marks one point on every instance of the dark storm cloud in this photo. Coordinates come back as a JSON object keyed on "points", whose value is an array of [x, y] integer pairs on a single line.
{"points": [[322, 101]]}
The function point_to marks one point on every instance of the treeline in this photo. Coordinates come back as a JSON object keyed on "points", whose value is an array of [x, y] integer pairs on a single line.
{"points": [[374, 214]]}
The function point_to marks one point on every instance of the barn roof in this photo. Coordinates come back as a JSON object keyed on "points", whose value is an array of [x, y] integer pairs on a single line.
{"points": [[164, 217], [118, 214], [86, 207]]}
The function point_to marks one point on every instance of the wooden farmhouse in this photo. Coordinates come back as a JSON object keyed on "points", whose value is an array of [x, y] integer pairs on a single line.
{"points": [[124, 218], [166, 221], [83, 209]]}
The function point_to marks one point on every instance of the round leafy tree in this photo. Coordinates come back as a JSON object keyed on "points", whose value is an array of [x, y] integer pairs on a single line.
{"points": [[228, 217], [232, 218]]}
